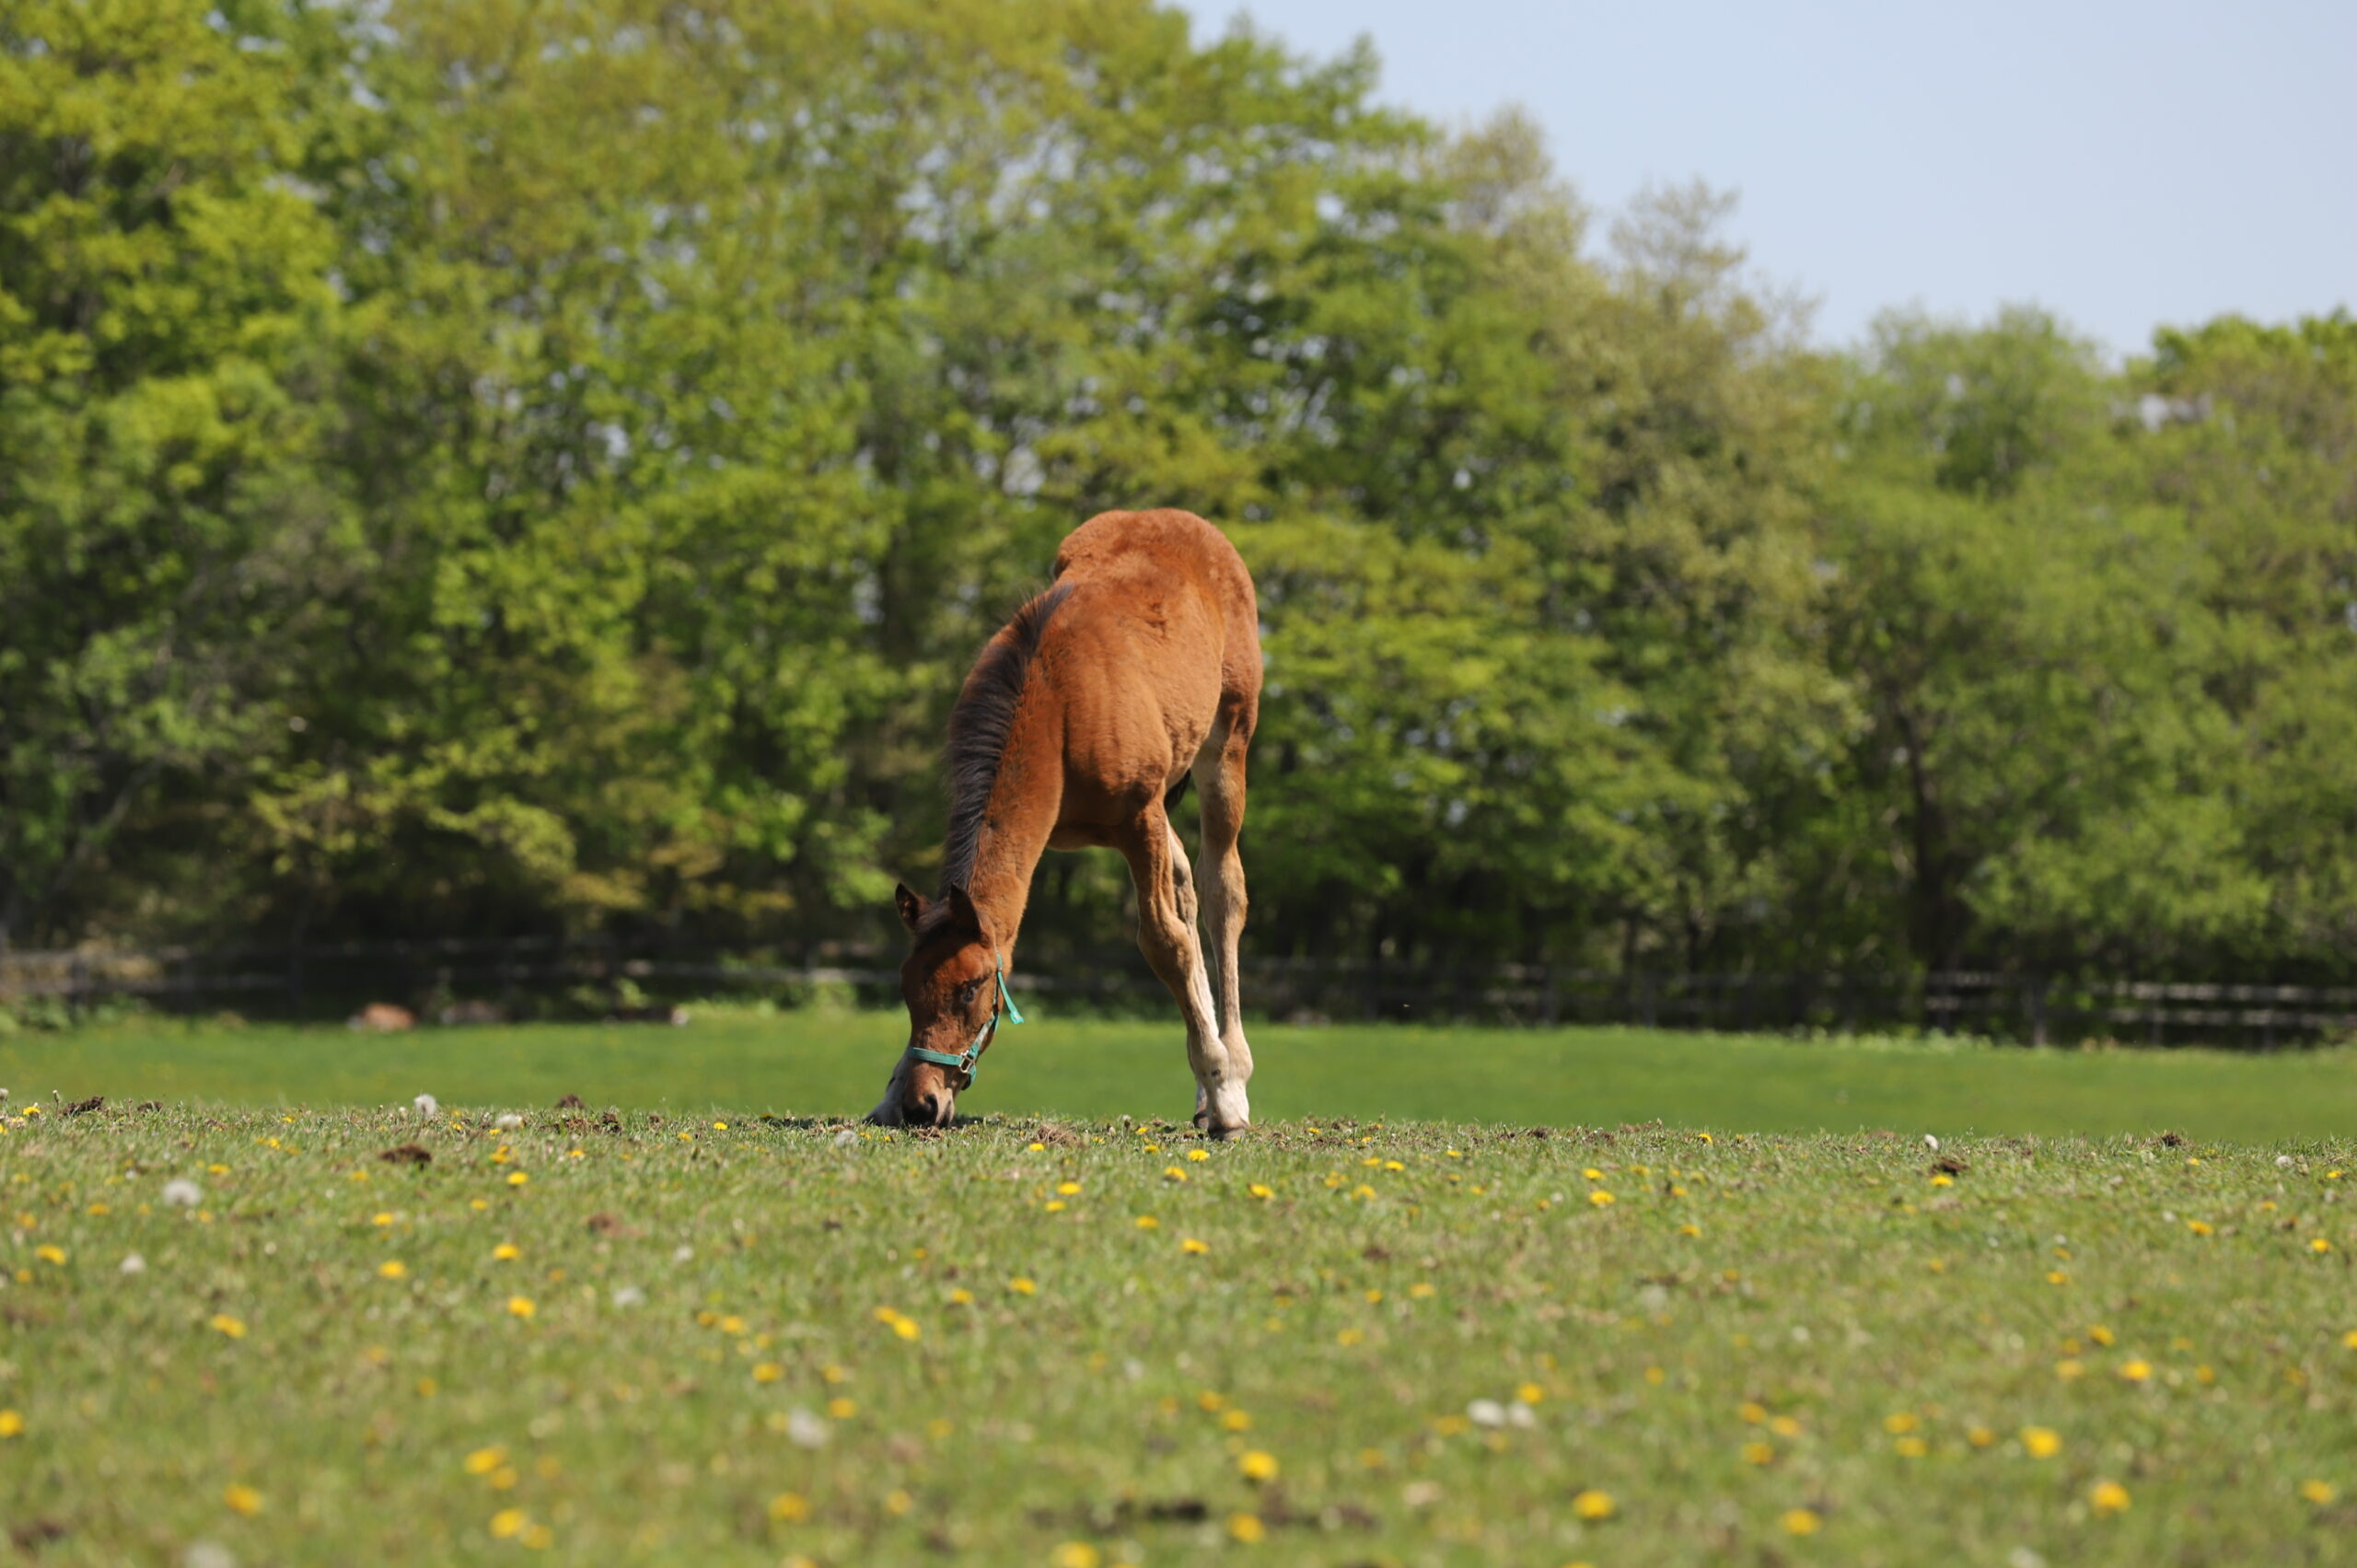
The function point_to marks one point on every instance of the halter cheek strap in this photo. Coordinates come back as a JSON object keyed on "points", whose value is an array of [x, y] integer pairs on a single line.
{"points": [[969, 1059]]}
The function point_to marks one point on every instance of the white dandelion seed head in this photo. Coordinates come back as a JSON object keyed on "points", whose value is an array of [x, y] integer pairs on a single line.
{"points": [[2282, 1162], [134, 1264], [1930, 1143], [427, 1105], [183, 1193], [509, 1121], [1522, 1415], [685, 1254], [1486, 1413], [207, 1554], [804, 1430], [629, 1295], [846, 1139]]}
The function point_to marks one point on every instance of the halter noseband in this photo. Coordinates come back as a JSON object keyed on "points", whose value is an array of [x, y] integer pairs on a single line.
{"points": [[967, 1059]]}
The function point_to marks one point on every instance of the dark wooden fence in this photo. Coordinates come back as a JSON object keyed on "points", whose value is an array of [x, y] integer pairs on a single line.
{"points": [[549, 976]]}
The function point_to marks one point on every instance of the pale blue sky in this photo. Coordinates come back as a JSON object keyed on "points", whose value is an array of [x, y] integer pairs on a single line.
{"points": [[2124, 165]]}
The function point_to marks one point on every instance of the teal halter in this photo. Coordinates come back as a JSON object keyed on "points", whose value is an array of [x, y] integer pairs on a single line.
{"points": [[969, 1059]]}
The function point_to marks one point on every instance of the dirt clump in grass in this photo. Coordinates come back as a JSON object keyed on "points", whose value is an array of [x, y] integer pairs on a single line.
{"points": [[408, 1154]]}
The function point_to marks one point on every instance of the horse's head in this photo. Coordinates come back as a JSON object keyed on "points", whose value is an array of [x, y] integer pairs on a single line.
{"points": [[951, 981]]}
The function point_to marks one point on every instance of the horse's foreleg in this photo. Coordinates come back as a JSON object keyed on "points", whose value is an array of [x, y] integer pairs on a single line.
{"points": [[1166, 935]]}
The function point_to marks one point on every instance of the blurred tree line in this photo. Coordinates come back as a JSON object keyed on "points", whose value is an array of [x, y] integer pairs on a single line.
{"points": [[488, 467]]}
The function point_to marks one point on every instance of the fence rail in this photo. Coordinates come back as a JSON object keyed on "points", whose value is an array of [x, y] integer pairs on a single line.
{"points": [[478, 977]]}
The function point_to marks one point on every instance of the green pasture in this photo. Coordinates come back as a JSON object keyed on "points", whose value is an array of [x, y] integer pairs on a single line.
{"points": [[811, 1063], [1526, 1325]]}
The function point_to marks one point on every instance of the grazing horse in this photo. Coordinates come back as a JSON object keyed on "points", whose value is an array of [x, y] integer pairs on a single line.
{"points": [[1078, 725]]}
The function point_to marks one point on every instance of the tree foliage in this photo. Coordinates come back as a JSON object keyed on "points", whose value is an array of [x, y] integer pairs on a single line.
{"points": [[481, 466]]}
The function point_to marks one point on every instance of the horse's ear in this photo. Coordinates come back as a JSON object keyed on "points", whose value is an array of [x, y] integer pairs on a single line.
{"points": [[909, 904], [962, 911]]}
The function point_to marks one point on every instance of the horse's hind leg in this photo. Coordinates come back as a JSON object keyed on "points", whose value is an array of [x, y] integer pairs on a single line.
{"points": [[1166, 936], [1219, 781]]}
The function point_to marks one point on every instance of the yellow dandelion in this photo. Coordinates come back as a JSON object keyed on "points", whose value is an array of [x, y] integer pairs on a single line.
{"points": [[961, 1296], [2349, 1340], [1256, 1465], [2102, 1335], [2108, 1497], [720, 1127], [1351, 1337], [789, 1508], [242, 1499], [11, 1424], [517, 1178], [1751, 1411], [2135, 1371], [1979, 1436], [1056, 1205], [1594, 1506], [1190, 1244], [506, 1252], [520, 1306], [222, 1323], [2199, 1227], [1943, 1179], [1022, 1285], [380, 1219], [2319, 1493], [1245, 1528], [2041, 1442], [2319, 1246], [1259, 1189], [1423, 1290], [1600, 1198], [2057, 1277], [1075, 1554], [841, 1409], [906, 1328], [1068, 1188], [1802, 1521], [1174, 1173], [482, 1461], [768, 1372], [1689, 1230], [1759, 1453], [1904, 1421], [393, 1268], [1784, 1427], [1911, 1448], [2068, 1369], [50, 1254], [1529, 1393], [508, 1524], [1147, 1222], [1197, 1154], [1035, 1148]]}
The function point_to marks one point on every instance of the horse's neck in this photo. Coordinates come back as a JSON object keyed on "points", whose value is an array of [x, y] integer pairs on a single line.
{"points": [[1015, 828]]}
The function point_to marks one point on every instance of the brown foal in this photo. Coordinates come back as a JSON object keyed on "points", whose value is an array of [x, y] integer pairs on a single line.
{"points": [[1139, 666]]}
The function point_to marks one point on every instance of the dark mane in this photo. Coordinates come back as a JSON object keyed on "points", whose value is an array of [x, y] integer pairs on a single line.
{"points": [[980, 724]]}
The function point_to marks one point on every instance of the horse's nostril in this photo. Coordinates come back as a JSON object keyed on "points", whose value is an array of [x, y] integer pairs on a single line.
{"points": [[928, 1111]]}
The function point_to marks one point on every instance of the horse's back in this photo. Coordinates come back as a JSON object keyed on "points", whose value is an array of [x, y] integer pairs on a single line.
{"points": [[1158, 636], [1160, 569]]}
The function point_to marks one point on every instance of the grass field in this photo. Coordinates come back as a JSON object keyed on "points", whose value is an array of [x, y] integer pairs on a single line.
{"points": [[711, 1336], [813, 1063]]}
